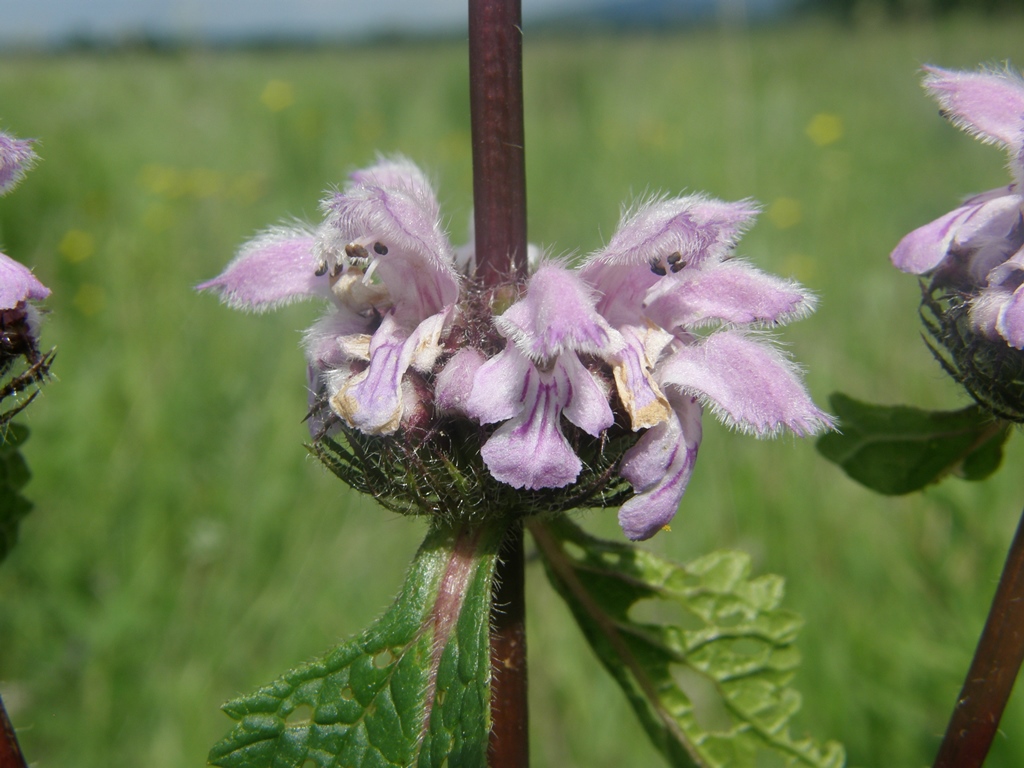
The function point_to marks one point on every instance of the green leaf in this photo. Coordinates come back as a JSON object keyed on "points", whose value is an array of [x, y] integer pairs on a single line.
{"points": [[898, 449], [14, 475], [411, 690], [710, 692]]}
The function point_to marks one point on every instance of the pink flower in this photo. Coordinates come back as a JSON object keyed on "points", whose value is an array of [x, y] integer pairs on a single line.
{"points": [[977, 249], [666, 276], [658, 324]]}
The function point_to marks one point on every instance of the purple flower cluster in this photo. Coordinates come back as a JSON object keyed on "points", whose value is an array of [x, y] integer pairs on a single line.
{"points": [[977, 249], [650, 329]]}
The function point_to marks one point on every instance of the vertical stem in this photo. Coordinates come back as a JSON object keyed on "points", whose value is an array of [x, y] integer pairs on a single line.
{"points": [[499, 204], [499, 164], [10, 752], [509, 745], [993, 670]]}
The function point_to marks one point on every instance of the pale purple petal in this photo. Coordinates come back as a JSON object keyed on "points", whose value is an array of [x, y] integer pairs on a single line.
{"points": [[276, 268], [746, 382], [399, 173], [371, 401], [323, 340], [631, 366], [498, 386], [990, 239], [16, 158], [587, 404], [987, 104], [530, 451], [690, 230], [659, 467], [926, 247], [730, 291], [557, 314], [18, 284], [399, 231], [454, 383], [1010, 324], [985, 310]]}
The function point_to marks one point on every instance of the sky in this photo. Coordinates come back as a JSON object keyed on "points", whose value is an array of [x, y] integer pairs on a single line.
{"points": [[33, 22]]}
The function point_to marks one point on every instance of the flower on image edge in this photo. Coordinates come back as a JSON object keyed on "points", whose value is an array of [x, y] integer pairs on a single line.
{"points": [[624, 329], [977, 249], [16, 158], [18, 286]]}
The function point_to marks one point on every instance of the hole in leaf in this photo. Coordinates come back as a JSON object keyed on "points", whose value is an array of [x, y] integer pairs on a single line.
{"points": [[299, 717], [439, 696], [709, 708], [309, 762], [653, 610], [610, 558], [383, 659], [574, 550], [347, 694]]}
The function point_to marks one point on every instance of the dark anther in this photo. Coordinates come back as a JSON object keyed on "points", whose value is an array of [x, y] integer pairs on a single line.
{"points": [[336, 270], [321, 270], [658, 270], [356, 251], [675, 258], [677, 266], [380, 249]]}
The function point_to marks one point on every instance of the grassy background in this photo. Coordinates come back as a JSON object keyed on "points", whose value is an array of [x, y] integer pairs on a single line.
{"points": [[184, 549]]}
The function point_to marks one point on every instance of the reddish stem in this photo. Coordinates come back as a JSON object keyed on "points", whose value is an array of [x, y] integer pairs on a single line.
{"points": [[499, 204], [993, 671], [509, 744], [10, 752], [499, 165]]}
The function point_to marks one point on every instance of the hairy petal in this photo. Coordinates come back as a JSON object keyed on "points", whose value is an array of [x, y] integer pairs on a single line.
{"points": [[18, 284], [326, 342], [530, 451], [399, 173], [746, 382], [659, 467], [985, 310], [557, 314], [275, 268], [992, 240], [1010, 322], [416, 260], [926, 247], [696, 228], [986, 104], [371, 401], [454, 384], [586, 405], [730, 291], [499, 386], [16, 158], [632, 366]]}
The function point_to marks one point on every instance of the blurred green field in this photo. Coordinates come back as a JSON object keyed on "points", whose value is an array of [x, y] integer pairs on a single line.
{"points": [[184, 549]]}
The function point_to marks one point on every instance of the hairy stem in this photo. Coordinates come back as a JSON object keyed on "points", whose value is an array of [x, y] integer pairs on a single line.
{"points": [[509, 745], [993, 670]]}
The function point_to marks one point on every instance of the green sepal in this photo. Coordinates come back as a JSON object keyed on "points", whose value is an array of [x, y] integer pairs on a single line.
{"points": [[896, 449], [711, 693], [14, 474], [411, 690]]}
